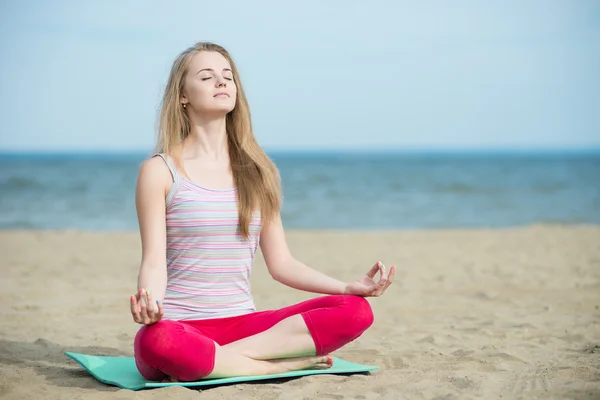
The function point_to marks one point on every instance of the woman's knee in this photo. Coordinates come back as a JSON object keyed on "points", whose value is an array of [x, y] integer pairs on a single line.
{"points": [[157, 338], [175, 350], [358, 312], [340, 323]]}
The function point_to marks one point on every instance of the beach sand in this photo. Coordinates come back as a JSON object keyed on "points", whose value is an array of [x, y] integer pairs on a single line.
{"points": [[472, 314]]}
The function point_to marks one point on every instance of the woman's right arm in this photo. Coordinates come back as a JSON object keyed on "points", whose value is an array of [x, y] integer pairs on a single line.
{"points": [[154, 180]]}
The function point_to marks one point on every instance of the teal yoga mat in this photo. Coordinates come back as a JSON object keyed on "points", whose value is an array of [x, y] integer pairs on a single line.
{"points": [[122, 372]]}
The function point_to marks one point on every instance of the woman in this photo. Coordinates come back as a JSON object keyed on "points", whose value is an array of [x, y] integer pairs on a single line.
{"points": [[205, 202]]}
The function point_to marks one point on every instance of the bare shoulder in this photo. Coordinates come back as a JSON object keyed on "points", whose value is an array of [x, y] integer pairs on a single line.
{"points": [[154, 174]]}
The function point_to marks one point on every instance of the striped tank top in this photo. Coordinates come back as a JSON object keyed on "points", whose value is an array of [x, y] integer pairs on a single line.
{"points": [[208, 260]]}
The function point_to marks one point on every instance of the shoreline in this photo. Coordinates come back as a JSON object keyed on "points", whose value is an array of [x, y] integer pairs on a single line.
{"points": [[539, 225]]}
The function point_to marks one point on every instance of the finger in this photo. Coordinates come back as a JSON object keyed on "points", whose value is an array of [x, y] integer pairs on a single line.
{"points": [[138, 299], [389, 280], [391, 276], [381, 284], [135, 309], [133, 302], [383, 275], [374, 269], [151, 307], [143, 304]]}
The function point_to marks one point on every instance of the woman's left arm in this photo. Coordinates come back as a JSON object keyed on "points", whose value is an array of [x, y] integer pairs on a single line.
{"points": [[284, 268]]}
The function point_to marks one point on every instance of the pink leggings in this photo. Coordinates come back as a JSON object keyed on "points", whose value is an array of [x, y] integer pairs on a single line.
{"points": [[185, 350]]}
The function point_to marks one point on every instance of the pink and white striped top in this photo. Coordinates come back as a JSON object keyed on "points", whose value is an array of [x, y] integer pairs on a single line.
{"points": [[208, 260]]}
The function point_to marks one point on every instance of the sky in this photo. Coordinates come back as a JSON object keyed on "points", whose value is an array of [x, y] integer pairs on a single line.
{"points": [[319, 75]]}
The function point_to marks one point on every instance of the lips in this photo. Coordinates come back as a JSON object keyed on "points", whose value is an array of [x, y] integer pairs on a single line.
{"points": [[221, 94]]}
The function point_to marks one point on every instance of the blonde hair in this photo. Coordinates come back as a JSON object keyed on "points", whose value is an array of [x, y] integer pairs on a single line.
{"points": [[255, 175]]}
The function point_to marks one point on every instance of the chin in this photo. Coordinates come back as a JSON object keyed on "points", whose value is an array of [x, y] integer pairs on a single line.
{"points": [[224, 110], [218, 110]]}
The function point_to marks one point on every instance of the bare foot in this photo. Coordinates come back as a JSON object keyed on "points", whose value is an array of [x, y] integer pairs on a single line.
{"points": [[299, 363], [280, 365]]}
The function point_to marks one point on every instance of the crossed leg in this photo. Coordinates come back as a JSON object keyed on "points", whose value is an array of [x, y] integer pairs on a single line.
{"points": [[291, 338]]}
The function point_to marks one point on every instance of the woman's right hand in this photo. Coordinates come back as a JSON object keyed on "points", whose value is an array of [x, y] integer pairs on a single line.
{"points": [[143, 309]]}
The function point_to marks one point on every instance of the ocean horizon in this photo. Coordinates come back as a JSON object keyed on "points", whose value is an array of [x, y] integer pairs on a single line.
{"points": [[325, 189], [418, 151]]}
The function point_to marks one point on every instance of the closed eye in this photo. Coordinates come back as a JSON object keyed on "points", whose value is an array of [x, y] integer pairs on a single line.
{"points": [[205, 79]]}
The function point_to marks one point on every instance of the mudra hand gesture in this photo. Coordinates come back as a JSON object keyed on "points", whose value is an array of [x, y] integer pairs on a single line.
{"points": [[367, 286], [143, 308]]}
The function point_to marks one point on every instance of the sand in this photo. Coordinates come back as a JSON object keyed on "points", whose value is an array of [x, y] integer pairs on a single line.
{"points": [[473, 314]]}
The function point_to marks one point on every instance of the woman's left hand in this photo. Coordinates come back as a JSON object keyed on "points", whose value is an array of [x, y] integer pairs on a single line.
{"points": [[366, 286]]}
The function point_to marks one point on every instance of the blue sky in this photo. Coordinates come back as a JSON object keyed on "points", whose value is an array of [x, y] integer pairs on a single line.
{"points": [[82, 75]]}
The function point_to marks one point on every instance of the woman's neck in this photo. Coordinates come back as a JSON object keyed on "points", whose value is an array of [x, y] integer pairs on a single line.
{"points": [[207, 140]]}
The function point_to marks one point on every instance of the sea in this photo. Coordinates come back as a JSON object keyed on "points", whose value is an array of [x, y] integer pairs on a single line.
{"points": [[327, 190]]}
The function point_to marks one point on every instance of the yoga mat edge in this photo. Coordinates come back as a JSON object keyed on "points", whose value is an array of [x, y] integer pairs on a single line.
{"points": [[122, 372]]}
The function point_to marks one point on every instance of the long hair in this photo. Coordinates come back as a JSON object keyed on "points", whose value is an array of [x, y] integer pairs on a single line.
{"points": [[256, 177]]}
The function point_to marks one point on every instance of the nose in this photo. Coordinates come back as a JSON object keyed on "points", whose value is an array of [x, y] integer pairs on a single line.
{"points": [[221, 82]]}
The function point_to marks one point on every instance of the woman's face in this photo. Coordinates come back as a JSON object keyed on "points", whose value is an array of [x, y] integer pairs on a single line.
{"points": [[208, 85]]}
